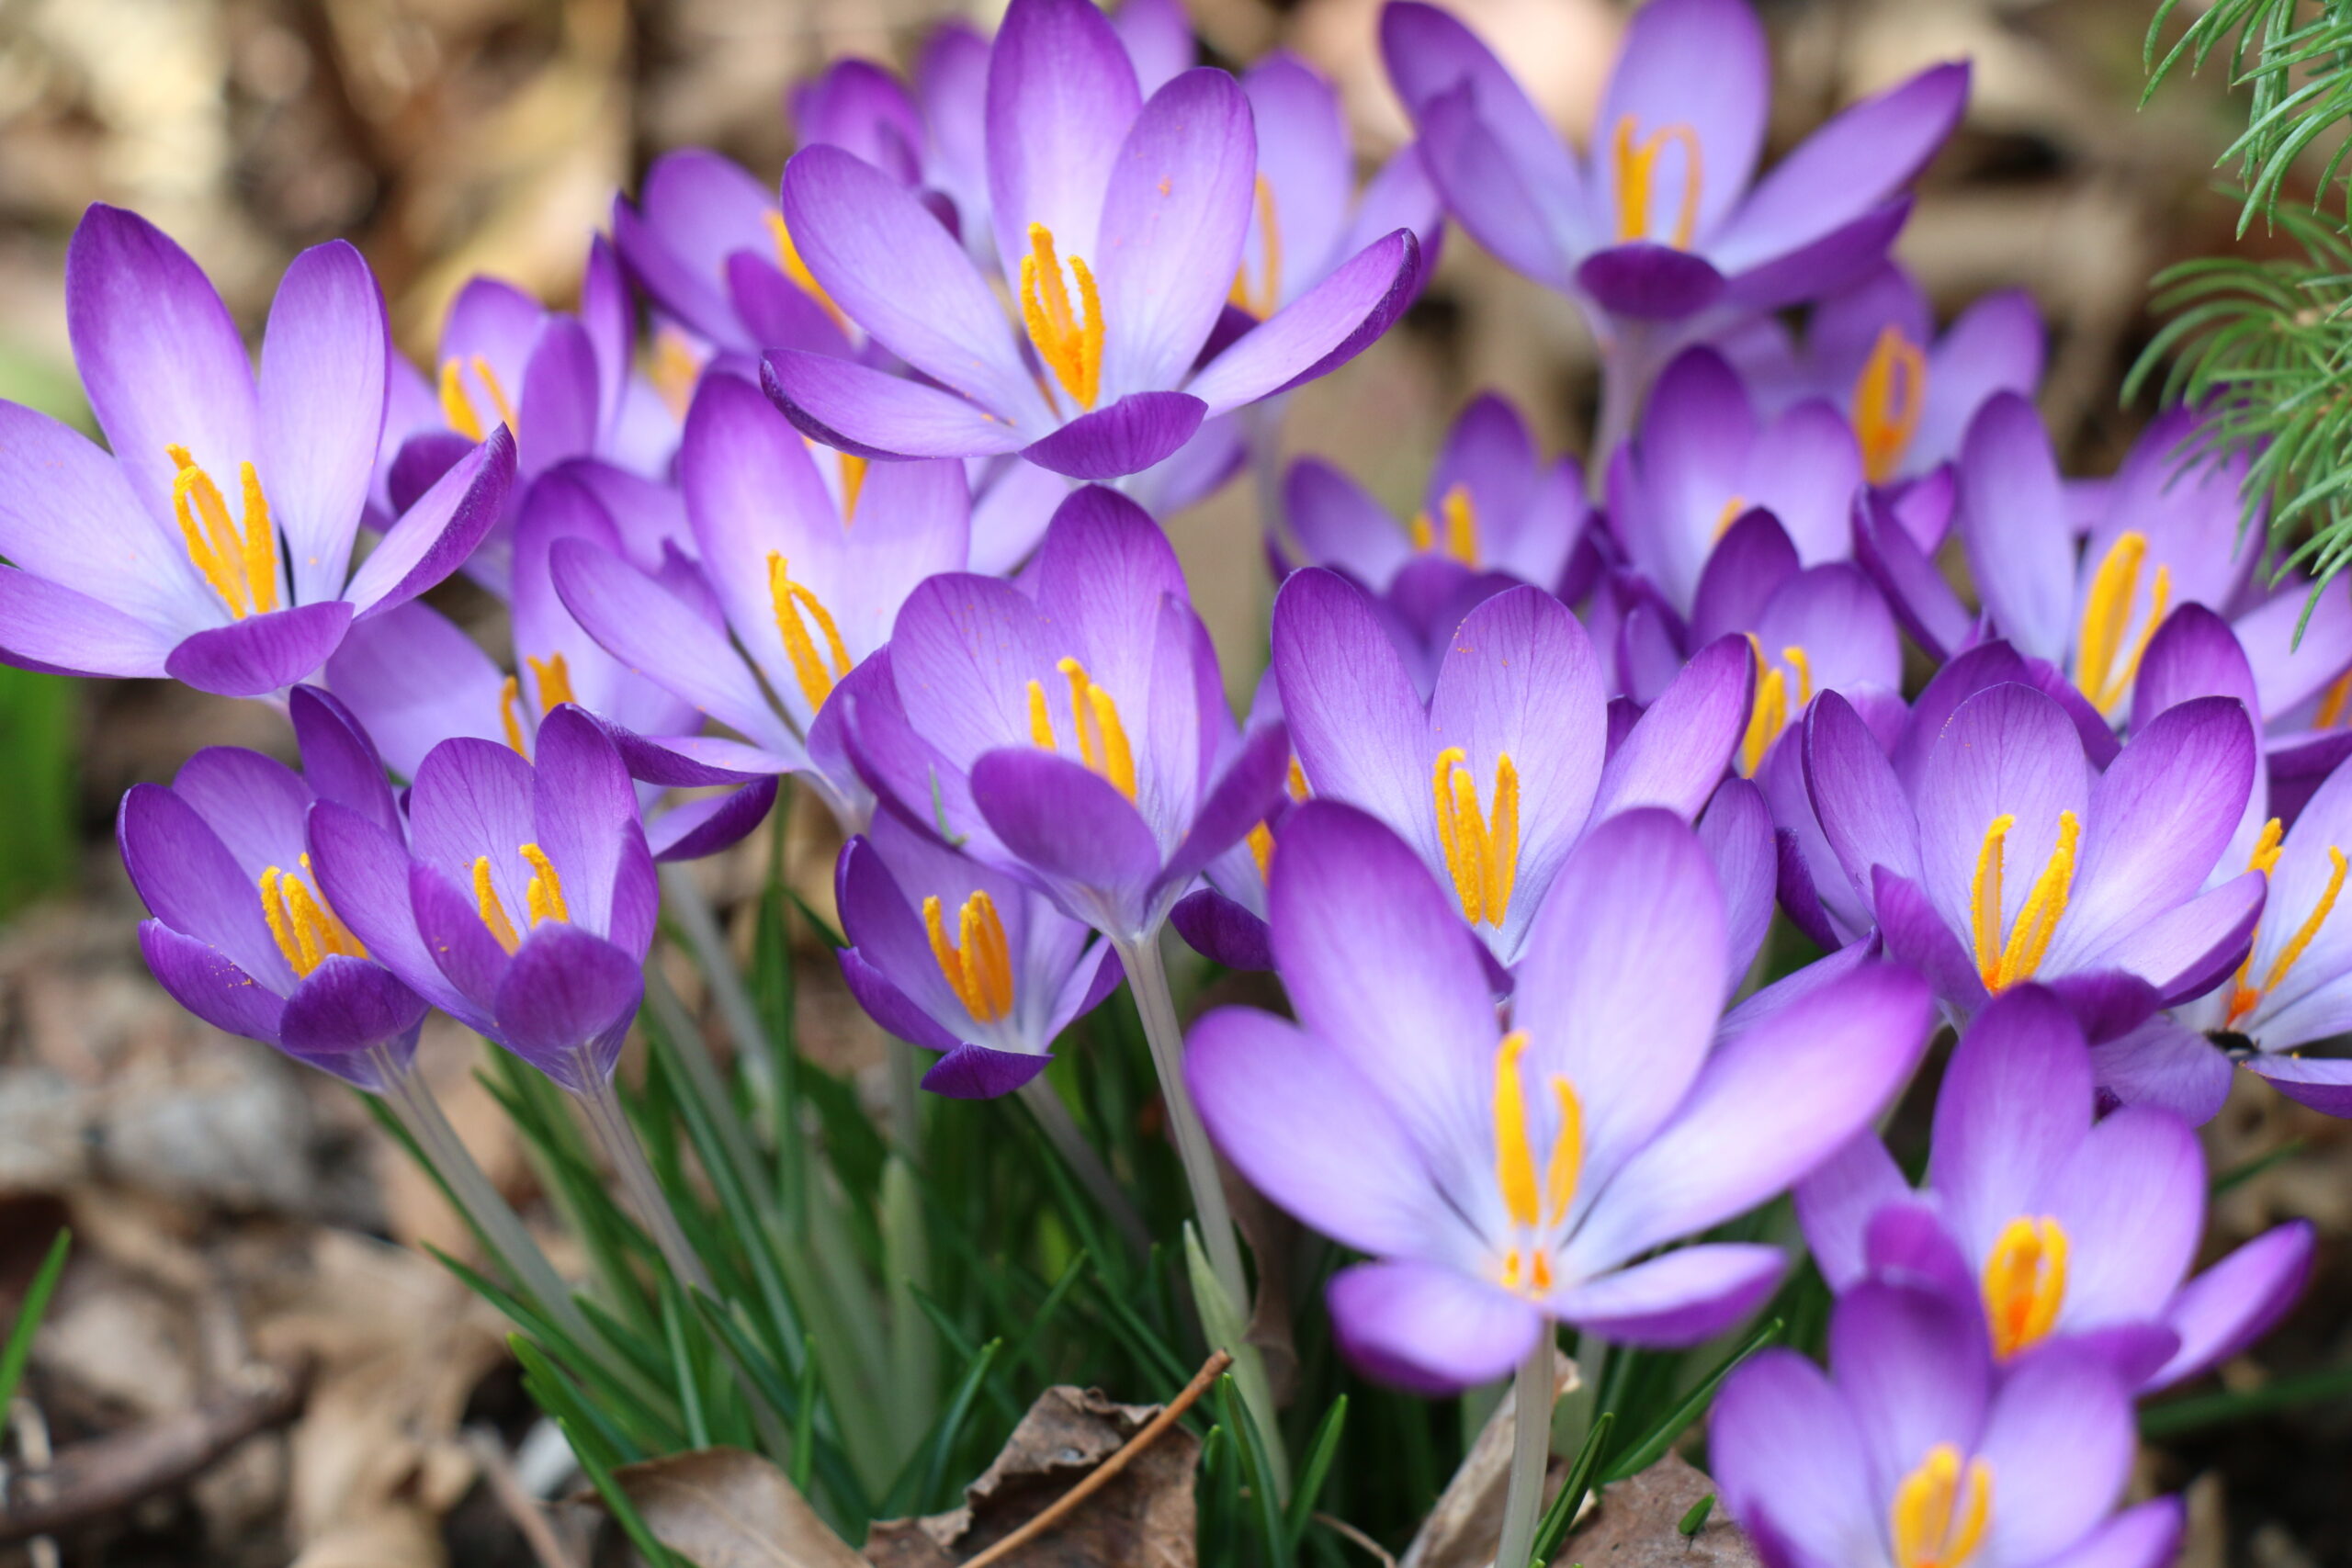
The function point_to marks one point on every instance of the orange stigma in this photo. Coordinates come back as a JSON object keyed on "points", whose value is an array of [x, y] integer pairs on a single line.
{"points": [[2244, 997], [1263, 300], [241, 565], [1889, 397], [542, 897], [1481, 850], [1941, 1511], [2102, 668], [2025, 1283], [1636, 167], [1070, 347]]}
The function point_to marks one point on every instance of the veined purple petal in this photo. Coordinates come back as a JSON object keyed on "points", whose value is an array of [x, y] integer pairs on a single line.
{"points": [[1916, 1369], [343, 1006], [416, 680], [1358, 729], [46, 626], [1700, 66], [434, 537], [206, 982], [887, 1004], [2132, 1199], [1685, 1297], [255, 804], [1319, 332], [859, 410], [1125, 437], [322, 412], [339, 759], [1074, 829], [2162, 1063], [2016, 1104], [1061, 95], [2008, 752], [189, 879], [585, 813], [565, 1002], [468, 959], [1429, 1328], [2013, 521], [703, 828], [1788, 1460], [68, 515], [262, 654], [1678, 751], [2059, 1437], [1244, 794], [1914, 933], [2237, 1300], [2324, 1085]]}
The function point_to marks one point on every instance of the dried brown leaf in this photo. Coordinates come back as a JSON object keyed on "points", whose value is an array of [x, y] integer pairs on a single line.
{"points": [[726, 1509], [1637, 1525], [1143, 1517]]}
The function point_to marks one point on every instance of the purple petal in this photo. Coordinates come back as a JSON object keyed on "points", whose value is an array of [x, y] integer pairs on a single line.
{"points": [[1508, 207], [2013, 521], [1838, 259], [1319, 332], [343, 1006], [339, 759], [2237, 1300], [1836, 1203], [2008, 752], [1649, 282], [1074, 829], [1914, 933], [1995, 345], [1916, 591], [46, 626], [860, 105], [1125, 437], [434, 537], [584, 816], [703, 828], [1700, 65], [1683, 1298], [1061, 95], [416, 680], [2144, 1537], [2059, 1437], [1337, 524], [263, 654], [206, 982], [1785, 1454], [981, 1072], [2161, 1063], [873, 414], [2015, 1105], [2324, 1085], [1678, 752], [321, 412], [255, 805], [565, 1002], [1358, 729], [67, 514], [1916, 1369], [696, 210], [559, 415], [1751, 560], [1223, 932], [1427, 1328], [1737, 832], [2131, 1198], [1248, 792]]}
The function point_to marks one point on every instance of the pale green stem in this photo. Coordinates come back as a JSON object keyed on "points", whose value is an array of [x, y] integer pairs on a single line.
{"points": [[1531, 1453], [1061, 1131], [619, 1139], [1628, 365]]}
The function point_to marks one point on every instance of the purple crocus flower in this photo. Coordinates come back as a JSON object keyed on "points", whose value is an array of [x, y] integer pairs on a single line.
{"points": [[242, 934], [962, 960], [1497, 774], [214, 545], [807, 576], [522, 903], [2173, 531], [1073, 728], [2010, 859], [1912, 1454], [2064, 1228], [1656, 230], [1504, 1176], [1084, 174]]}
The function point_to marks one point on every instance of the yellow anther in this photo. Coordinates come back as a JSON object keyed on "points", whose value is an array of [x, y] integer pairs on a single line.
{"points": [[1262, 850], [2243, 997], [2106, 616], [788, 599], [1514, 1153], [979, 966], [1532, 1208], [1941, 1510], [674, 369], [493, 912], [787, 256], [2025, 1283], [1072, 347], [241, 565], [2333, 702], [2002, 965], [2266, 847], [1102, 738], [1796, 659], [1461, 514], [1566, 1167], [510, 703], [1295, 781], [306, 930], [1481, 848], [1263, 301], [1734, 506], [852, 482], [1041, 719], [544, 896], [459, 409], [554, 678], [1637, 167], [1890, 395], [1769, 714]]}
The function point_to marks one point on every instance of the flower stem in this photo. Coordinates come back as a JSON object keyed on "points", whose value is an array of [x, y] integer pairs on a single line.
{"points": [[1061, 1131], [610, 1124], [1628, 364], [1531, 1452]]}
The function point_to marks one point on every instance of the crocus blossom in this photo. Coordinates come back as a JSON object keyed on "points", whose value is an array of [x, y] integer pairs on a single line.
{"points": [[1911, 1454], [521, 903], [2008, 859], [1120, 224], [242, 934], [1495, 777], [214, 544], [2066, 1228], [962, 960], [1662, 218], [1503, 1176]]}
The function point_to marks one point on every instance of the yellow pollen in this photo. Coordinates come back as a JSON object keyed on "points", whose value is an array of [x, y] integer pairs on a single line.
{"points": [[2266, 848], [788, 599], [673, 370], [307, 930], [1941, 1510], [1261, 848], [1461, 514], [1481, 849], [241, 565], [2002, 965], [978, 966], [1637, 166], [554, 678], [1733, 507], [2025, 1283], [544, 896], [2244, 998], [2333, 702], [1102, 738], [1529, 1206], [1295, 781], [787, 256], [1889, 397], [1261, 301], [1773, 707], [853, 483], [1071, 347], [493, 912], [510, 702], [2106, 616], [1041, 721], [459, 409]]}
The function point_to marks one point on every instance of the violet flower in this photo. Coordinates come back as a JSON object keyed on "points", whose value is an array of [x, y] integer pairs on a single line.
{"points": [[962, 960], [522, 903], [1505, 766], [2064, 1228], [2008, 859], [1911, 1454], [1126, 219], [1656, 230], [1504, 1176], [805, 578], [242, 934], [214, 544]]}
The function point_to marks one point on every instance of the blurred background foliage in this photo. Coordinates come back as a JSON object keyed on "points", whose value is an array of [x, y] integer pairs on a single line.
{"points": [[226, 1206]]}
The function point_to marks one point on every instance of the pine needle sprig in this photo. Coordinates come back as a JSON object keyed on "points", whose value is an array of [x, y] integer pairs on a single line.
{"points": [[2295, 58]]}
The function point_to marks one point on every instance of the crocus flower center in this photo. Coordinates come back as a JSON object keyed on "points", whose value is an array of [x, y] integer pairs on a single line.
{"points": [[2245, 996], [241, 565], [553, 677], [1481, 849], [789, 598], [2102, 669], [1636, 162], [542, 898], [673, 368], [2025, 1282], [458, 404], [1889, 396], [787, 256], [1941, 1510], [2004, 964], [1101, 738], [1069, 343], [306, 928], [1460, 513], [978, 966], [1527, 1261], [1261, 300], [1774, 705]]}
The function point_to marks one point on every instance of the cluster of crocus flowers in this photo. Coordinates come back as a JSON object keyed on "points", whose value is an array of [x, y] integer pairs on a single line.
{"points": [[869, 498]]}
